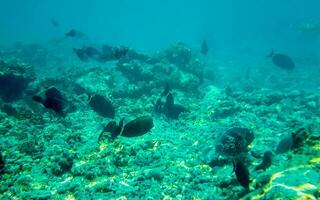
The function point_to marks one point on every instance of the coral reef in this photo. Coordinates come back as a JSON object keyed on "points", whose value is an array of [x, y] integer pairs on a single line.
{"points": [[180, 156], [15, 76]]}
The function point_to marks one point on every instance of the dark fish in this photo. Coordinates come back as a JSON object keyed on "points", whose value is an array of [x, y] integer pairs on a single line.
{"points": [[107, 53], [168, 107], [173, 110], [282, 61], [74, 34], [266, 161], [120, 52], [112, 128], [137, 127], [204, 47], [102, 106], [87, 52], [134, 128], [53, 100], [235, 141], [54, 23], [242, 173], [2, 164], [285, 144]]}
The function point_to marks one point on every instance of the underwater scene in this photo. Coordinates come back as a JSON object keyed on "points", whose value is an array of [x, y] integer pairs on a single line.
{"points": [[159, 100]]}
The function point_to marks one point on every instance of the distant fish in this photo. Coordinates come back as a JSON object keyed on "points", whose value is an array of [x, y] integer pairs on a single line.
{"points": [[53, 100], [282, 61], [204, 47], [74, 34], [2, 164], [242, 173], [173, 110], [54, 23], [134, 128], [266, 161], [169, 108], [285, 144], [310, 27], [102, 106], [138, 127], [86, 53]]}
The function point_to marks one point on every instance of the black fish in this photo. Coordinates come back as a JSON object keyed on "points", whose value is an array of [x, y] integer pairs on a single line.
{"points": [[53, 100], [2, 164], [120, 52], [137, 127], [282, 61], [134, 128], [102, 106], [242, 174], [74, 34], [285, 144], [266, 161], [85, 53], [204, 47], [173, 110]]}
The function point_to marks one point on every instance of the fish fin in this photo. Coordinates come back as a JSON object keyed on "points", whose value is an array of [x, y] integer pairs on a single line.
{"points": [[166, 90]]}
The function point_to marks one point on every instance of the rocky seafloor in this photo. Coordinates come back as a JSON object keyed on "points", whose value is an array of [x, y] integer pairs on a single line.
{"points": [[46, 156]]}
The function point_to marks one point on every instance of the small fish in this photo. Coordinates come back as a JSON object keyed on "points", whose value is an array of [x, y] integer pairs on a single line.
{"points": [[120, 52], [137, 127], [285, 144], [2, 164], [266, 161], [53, 100], [173, 110], [134, 128], [55, 23], [282, 61], [242, 173], [102, 106], [74, 34], [85, 53], [204, 47]]}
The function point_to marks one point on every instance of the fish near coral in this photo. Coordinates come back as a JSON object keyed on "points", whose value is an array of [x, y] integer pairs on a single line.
{"points": [[173, 110], [53, 100], [102, 106], [266, 161], [281, 60], [285, 144], [235, 141], [134, 128], [137, 127], [74, 34], [242, 173]]}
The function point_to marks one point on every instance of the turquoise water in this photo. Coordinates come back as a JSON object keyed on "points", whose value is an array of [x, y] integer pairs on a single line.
{"points": [[159, 99]]}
